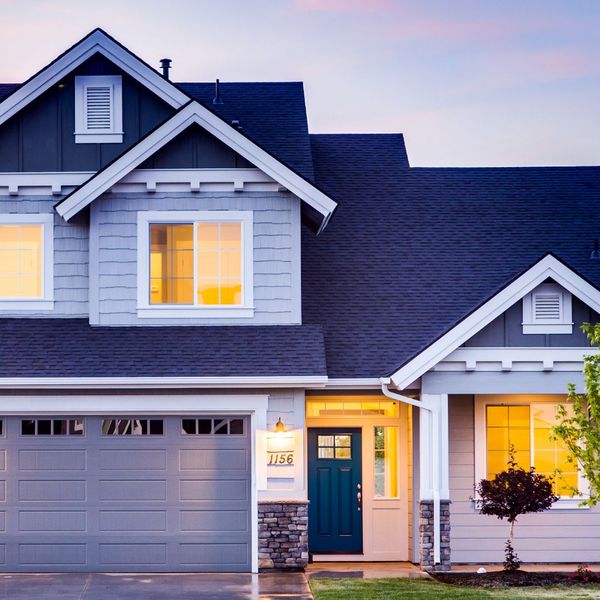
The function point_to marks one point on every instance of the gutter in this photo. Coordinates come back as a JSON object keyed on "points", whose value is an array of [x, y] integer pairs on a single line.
{"points": [[435, 452]]}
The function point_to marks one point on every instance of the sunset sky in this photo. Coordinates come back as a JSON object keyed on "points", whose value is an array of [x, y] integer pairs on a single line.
{"points": [[469, 82]]}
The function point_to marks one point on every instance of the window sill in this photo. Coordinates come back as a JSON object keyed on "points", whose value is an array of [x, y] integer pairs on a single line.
{"points": [[569, 504], [188, 312], [26, 305], [99, 138], [533, 328]]}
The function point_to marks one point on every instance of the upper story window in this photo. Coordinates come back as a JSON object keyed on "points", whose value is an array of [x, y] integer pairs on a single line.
{"points": [[547, 309], [26, 262], [195, 264], [98, 109]]}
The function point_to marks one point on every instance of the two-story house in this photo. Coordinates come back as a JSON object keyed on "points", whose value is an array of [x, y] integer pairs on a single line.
{"points": [[228, 344]]}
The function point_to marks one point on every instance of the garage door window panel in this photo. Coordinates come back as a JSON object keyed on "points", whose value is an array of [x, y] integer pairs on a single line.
{"points": [[52, 427], [132, 426]]}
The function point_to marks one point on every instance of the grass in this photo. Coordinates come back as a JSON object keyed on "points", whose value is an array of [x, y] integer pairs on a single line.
{"points": [[427, 589]]}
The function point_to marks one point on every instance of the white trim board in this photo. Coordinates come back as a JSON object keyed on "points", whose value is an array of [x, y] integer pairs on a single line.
{"points": [[96, 42], [194, 113], [547, 267]]}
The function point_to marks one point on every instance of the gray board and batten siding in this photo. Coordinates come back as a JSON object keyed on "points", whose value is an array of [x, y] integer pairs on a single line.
{"points": [[556, 535], [113, 254], [100, 503], [507, 331], [71, 261], [23, 148]]}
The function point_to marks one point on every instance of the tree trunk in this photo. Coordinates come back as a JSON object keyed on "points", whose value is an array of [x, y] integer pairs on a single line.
{"points": [[510, 535]]}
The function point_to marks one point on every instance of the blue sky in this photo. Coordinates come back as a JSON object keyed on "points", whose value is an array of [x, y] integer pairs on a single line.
{"points": [[469, 82]]}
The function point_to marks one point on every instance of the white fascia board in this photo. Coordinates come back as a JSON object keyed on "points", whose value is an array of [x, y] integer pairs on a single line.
{"points": [[159, 382], [194, 113], [549, 266], [95, 42]]}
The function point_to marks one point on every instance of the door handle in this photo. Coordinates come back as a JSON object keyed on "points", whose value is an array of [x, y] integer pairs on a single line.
{"points": [[359, 496]]}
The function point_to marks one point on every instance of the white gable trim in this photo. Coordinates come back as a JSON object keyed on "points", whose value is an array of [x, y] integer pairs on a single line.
{"points": [[190, 114], [549, 266], [96, 42]]}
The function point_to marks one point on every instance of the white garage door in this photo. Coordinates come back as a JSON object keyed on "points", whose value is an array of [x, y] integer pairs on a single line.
{"points": [[125, 493]]}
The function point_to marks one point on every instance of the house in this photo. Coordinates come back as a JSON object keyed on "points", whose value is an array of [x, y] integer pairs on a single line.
{"points": [[228, 344]]}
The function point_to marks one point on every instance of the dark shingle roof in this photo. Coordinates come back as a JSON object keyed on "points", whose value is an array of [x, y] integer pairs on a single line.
{"points": [[410, 252], [71, 348], [6, 89]]}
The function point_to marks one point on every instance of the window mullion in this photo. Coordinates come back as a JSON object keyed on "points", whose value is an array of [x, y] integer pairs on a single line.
{"points": [[219, 286], [196, 249], [531, 439]]}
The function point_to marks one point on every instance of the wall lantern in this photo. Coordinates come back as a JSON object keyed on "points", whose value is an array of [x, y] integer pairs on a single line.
{"points": [[280, 427]]}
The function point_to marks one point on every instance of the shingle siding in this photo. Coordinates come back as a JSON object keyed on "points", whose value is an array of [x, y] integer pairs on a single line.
{"points": [[276, 254], [70, 258]]}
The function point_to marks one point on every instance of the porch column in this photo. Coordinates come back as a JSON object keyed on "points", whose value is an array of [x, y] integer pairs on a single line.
{"points": [[434, 494]]}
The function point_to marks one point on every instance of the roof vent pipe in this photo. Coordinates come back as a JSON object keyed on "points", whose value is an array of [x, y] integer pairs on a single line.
{"points": [[595, 253], [217, 99], [165, 64]]}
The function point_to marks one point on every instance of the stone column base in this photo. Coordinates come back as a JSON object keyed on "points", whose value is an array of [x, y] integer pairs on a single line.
{"points": [[426, 536], [282, 535]]}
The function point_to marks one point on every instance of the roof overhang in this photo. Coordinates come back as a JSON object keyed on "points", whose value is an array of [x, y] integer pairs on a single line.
{"points": [[194, 113], [100, 42], [547, 267]]}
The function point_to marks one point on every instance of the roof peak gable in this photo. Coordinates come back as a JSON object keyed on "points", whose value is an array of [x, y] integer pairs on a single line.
{"points": [[97, 41], [547, 267]]}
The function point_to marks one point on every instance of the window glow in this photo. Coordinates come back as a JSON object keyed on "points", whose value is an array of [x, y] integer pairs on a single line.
{"points": [[212, 258], [21, 255], [528, 429], [386, 462]]}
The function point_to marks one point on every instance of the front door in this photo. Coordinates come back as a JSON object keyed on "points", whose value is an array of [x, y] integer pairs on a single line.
{"points": [[335, 490]]}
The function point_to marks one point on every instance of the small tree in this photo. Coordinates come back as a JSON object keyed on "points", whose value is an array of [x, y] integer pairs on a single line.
{"points": [[512, 493], [578, 428]]}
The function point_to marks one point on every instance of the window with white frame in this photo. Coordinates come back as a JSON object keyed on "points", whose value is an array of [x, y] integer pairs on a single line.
{"points": [[195, 264], [527, 427], [98, 109], [26, 262], [548, 309]]}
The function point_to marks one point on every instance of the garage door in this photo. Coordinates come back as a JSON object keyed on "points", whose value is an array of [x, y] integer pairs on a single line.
{"points": [[125, 493]]}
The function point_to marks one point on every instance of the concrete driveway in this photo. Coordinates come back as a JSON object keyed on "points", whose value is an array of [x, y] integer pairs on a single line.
{"points": [[154, 587]]}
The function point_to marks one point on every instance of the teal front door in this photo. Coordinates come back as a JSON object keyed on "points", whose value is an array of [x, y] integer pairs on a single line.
{"points": [[335, 490]]}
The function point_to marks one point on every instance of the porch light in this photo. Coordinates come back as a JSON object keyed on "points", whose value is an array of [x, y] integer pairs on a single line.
{"points": [[280, 427]]}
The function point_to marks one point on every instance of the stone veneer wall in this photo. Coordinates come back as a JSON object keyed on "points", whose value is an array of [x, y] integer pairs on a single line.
{"points": [[282, 535], [426, 535]]}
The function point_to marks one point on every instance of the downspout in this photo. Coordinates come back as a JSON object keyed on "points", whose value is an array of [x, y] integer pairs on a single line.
{"points": [[435, 451]]}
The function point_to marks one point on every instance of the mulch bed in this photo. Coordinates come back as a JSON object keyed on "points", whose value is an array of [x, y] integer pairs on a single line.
{"points": [[498, 579]]}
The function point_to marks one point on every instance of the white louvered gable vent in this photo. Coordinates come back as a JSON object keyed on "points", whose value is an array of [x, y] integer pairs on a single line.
{"points": [[547, 310], [98, 109], [547, 307]]}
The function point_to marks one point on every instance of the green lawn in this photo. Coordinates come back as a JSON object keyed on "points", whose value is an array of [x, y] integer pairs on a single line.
{"points": [[427, 589]]}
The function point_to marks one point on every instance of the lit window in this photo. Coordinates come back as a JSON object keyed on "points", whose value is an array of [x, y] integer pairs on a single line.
{"points": [[21, 257], [528, 429], [195, 264], [98, 109], [337, 447], [386, 462], [26, 262]]}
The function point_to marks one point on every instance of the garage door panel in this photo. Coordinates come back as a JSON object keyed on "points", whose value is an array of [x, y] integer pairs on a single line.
{"points": [[2, 460], [51, 554], [133, 459], [213, 489], [123, 503], [213, 520], [54, 490], [52, 520], [222, 461], [129, 520], [130, 490], [133, 554], [52, 460]]}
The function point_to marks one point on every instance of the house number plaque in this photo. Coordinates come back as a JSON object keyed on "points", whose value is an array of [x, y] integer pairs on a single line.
{"points": [[281, 458]]}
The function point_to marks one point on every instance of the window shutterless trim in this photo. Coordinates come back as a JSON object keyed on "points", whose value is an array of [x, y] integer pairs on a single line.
{"points": [[46, 300], [145, 310]]}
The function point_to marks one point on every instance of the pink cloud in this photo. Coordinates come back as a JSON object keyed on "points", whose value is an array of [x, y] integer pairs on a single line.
{"points": [[344, 6]]}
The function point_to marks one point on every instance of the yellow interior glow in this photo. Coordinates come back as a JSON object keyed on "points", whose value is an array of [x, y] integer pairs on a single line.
{"points": [[21, 261]]}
